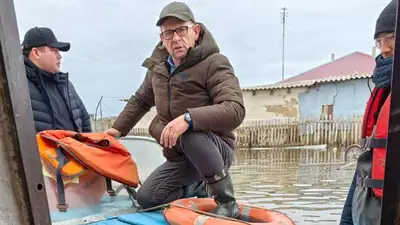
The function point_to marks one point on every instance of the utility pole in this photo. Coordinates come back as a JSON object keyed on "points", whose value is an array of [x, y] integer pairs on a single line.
{"points": [[284, 15], [97, 107], [101, 108]]}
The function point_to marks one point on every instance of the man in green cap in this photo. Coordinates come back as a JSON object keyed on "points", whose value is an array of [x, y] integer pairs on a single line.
{"points": [[199, 103]]}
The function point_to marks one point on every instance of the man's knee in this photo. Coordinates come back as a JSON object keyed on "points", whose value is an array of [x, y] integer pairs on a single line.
{"points": [[192, 137], [144, 198], [207, 144], [147, 198], [193, 140]]}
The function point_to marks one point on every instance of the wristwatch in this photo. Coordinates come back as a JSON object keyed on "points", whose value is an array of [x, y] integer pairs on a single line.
{"points": [[188, 119]]}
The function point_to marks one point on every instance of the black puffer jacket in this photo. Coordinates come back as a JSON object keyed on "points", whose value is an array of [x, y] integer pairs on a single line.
{"points": [[43, 110]]}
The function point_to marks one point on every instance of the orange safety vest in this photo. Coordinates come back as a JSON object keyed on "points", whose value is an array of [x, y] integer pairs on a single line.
{"points": [[375, 132], [67, 156]]}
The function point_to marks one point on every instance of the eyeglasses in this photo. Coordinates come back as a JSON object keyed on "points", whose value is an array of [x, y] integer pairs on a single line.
{"points": [[388, 39], [180, 31]]}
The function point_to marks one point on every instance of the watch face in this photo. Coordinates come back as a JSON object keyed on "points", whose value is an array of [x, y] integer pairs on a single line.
{"points": [[187, 117]]}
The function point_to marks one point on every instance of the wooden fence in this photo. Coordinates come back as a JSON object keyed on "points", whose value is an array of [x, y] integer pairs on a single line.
{"points": [[278, 157], [340, 132]]}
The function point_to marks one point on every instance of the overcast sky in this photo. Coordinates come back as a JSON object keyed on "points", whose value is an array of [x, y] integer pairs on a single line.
{"points": [[111, 38]]}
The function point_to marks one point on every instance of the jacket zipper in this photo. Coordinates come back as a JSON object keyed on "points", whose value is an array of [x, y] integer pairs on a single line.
{"points": [[170, 90], [169, 97]]}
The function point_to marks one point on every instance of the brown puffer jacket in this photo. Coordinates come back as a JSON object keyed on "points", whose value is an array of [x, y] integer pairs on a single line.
{"points": [[204, 85]]}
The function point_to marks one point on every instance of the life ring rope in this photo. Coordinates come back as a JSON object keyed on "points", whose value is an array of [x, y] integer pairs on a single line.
{"points": [[165, 206], [209, 214]]}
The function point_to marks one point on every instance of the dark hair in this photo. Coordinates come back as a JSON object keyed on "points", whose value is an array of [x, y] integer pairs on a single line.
{"points": [[26, 52]]}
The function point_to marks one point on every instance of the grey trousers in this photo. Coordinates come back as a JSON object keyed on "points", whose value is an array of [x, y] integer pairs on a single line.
{"points": [[206, 154]]}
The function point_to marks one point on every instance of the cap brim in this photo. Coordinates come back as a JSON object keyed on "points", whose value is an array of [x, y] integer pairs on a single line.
{"points": [[181, 17], [62, 46]]}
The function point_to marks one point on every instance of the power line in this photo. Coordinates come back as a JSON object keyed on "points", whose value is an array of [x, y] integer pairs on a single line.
{"points": [[284, 15], [108, 108], [99, 104]]}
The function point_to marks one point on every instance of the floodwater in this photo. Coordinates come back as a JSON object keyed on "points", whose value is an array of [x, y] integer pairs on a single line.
{"points": [[307, 185], [309, 193]]}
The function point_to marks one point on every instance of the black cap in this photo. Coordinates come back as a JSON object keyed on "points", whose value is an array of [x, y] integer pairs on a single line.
{"points": [[386, 21], [43, 36], [178, 10]]}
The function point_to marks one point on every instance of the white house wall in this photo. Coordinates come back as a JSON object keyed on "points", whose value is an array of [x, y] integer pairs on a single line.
{"points": [[272, 104]]}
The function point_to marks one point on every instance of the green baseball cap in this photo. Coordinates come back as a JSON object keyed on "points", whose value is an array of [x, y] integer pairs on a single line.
{"points": [[178, 10]]}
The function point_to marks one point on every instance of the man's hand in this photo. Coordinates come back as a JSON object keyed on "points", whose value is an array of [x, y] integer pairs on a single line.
{"points": [[113, 132], [172, 131]]}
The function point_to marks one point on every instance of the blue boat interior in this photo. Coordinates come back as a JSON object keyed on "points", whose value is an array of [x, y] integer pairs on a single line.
{"points": [[119, 209], [145, 218]]}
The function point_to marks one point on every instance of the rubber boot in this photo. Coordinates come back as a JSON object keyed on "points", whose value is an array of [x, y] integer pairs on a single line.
{"points": [[222, 189], [198, 189]]}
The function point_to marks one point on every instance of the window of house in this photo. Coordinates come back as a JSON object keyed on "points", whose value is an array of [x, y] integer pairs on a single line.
{"points": [[327, 112]]}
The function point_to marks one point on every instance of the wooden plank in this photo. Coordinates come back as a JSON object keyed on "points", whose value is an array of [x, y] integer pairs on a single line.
{"points": [[24, 198]]}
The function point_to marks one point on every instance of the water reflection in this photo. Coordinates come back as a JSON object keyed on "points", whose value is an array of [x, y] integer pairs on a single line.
{"points": [[307, 185]]}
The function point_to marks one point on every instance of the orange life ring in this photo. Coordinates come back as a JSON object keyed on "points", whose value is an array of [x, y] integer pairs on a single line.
{"points": [[190, 211]]}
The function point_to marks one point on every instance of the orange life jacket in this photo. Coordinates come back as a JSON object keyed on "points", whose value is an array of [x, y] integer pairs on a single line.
{"points": [[374, 137], [68, 156]]}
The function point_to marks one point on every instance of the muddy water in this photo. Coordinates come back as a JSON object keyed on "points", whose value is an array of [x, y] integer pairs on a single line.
{"points": [[309, 193]]}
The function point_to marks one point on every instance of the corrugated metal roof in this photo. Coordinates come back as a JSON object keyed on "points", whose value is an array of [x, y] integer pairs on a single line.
{"points": [[353, 63], [308, 83], [356, 65]]}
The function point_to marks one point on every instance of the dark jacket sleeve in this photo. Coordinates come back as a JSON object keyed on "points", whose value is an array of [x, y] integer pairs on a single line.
{"points": [[137, 106], [83, 113], [86, 124], [346, 218], [227, 111]]}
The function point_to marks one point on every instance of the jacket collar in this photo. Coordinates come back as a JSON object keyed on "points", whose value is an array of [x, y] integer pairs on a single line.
{"points": [[34, 73]]}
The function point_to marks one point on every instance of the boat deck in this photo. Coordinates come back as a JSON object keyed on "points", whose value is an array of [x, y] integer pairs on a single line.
{"points": [[111, 211]]}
